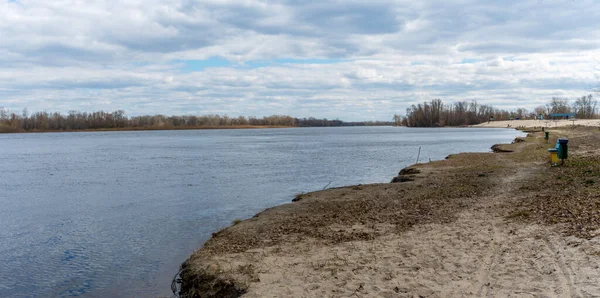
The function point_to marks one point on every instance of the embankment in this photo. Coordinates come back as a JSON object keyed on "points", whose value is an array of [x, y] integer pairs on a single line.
{"points": [[475, 224]]}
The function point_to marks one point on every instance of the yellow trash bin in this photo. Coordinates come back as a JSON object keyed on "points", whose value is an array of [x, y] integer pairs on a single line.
{"points": [[553, 155]]}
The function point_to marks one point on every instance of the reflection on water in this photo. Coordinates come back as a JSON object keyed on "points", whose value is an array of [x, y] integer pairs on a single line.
{"points": [[115, 213]]}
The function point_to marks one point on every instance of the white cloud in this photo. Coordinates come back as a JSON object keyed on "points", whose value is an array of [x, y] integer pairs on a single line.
{"points": [[379, 56]]}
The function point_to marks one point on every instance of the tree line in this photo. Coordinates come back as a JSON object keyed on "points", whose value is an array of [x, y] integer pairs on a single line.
{"points": [[118, 120], [585, 107], [313, 122], [436, 113]]}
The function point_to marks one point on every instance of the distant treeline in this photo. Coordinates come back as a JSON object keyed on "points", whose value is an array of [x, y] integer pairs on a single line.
{"points": [[436, 113], [313, 122], [118, 120]]}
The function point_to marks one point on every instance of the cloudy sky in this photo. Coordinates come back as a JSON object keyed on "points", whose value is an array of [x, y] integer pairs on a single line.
{"points": [[353, 60]]}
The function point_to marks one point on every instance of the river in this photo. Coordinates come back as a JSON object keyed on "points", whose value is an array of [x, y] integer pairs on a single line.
{"points": [[114, 214]]}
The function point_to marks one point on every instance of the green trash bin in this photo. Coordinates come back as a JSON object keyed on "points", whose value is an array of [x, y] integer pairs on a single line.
{"points": [[563, 148]]}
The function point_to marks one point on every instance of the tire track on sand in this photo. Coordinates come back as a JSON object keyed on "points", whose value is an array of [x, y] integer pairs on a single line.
{"points": [[565, 275], [499, 227]]}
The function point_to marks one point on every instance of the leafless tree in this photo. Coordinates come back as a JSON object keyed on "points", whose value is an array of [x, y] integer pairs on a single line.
{"points": [[585, 107], [559, 105]]}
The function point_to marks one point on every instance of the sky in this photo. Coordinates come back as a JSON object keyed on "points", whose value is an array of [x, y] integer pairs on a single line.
{"points": [[352, 60]]}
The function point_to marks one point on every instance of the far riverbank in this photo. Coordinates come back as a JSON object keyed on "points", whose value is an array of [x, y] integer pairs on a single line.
{"points": [[154, 128]]}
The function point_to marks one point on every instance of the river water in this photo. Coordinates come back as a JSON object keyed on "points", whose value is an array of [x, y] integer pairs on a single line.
{"points": [[113, 214]]}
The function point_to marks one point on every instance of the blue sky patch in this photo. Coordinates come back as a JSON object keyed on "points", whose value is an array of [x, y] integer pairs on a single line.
{"points": [[470, 60], [200, 65], [308, 61]]}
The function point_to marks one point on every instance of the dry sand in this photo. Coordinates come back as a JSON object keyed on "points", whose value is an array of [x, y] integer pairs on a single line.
{"points": [[476, 256], [540, 123], [475, 247]]}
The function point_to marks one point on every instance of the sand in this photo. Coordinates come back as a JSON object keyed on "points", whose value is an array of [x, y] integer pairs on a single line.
{"points": [[475, 247], [540, 123], [476, 256]]}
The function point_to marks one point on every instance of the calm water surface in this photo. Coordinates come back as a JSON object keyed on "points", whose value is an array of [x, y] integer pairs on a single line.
{"points": [[115, 213]]}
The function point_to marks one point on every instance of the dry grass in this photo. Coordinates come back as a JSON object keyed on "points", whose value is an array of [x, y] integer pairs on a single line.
{"points": [[298, 197], [400, 205], [570, 194], [208, 282]]}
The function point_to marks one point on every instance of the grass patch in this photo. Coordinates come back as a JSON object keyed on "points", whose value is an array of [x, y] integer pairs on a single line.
{"points": [[520, 214], [298, 197], [568, 195], [206, 282]]}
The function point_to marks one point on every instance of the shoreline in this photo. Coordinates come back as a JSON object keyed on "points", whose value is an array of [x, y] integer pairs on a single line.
{"points": [[183, 128], [222, 128], [229, 287], [249, 256]]}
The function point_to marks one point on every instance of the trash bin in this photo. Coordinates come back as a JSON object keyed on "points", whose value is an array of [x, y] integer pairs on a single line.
{"points": [[563, 148], [553, 155], [546, 135]]}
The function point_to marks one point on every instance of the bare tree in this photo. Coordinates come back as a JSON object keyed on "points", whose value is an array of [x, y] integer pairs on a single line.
{"points": [[539, 110], [521, 113], [585, 107], [436, 113], [559, 106], [397, 120], [74, 120]]}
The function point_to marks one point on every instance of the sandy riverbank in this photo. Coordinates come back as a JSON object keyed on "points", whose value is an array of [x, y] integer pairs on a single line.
{"points": [[540, 123], [475, 224]]}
